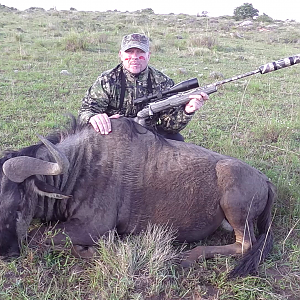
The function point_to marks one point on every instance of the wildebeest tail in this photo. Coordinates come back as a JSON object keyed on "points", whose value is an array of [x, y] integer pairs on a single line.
{"points": [[250, 262]]}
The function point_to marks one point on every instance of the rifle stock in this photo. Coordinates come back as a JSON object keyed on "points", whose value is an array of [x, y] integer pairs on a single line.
{"points": [[173, 101]]}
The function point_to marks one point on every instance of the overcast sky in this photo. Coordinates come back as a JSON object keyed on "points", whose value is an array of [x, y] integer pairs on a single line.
{"points": [[281, 10]]}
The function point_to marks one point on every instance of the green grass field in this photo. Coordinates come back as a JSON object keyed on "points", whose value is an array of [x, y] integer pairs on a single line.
{"points": [[256, 119]]}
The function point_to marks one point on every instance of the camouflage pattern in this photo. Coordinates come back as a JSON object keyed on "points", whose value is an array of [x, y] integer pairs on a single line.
{"points": [[104, 97], [135, 40], [176, 100], [279, 64]]}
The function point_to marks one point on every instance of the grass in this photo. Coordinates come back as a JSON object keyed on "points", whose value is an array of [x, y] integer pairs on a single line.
{"points": [[255, 119]]}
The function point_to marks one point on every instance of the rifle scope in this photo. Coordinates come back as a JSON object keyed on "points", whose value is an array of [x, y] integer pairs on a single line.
{"points": [[180, 87]]}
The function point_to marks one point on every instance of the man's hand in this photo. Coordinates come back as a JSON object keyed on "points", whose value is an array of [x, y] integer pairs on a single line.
{"points": [[101, 122], [196, 102]]}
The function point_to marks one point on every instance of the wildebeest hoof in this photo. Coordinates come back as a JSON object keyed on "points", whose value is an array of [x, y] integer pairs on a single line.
{"points": [[186, 263], [83, 251], [10, 257], [183, 259]]}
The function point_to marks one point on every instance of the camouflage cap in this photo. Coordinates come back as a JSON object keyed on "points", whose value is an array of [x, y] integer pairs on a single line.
{"points": [[135, 40]]}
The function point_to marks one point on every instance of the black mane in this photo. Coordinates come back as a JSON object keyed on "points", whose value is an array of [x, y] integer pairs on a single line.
{"points": [[71, 127]]}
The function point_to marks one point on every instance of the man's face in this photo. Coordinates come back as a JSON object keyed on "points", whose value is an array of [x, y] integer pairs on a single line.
{"points": [[134, 60]]}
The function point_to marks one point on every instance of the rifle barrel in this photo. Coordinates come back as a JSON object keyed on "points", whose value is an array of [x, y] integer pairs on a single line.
{"points": [[267, 68], [236, 77], [279, 64]]}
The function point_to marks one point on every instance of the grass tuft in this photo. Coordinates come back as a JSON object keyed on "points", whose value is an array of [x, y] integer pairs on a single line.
{"points": [[75, 42]]}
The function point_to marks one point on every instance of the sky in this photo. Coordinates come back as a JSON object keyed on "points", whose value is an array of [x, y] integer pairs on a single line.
{"points": [[279, 10]]}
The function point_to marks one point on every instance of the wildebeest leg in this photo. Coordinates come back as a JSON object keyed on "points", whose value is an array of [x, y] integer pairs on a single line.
{"points": [[241, 220], [82, 236], [83, 251], [242, 244]]}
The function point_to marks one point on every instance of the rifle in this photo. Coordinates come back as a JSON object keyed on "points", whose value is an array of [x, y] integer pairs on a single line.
{"points": [[179, 94]]}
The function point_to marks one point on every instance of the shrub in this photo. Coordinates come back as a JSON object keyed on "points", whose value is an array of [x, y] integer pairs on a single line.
{"points": [[103, 38], [196, 51], [75, 42], [149, 11], [245, 11], [157, 46], [19, 37], [292, 37], [264, 18], [203, 41]]}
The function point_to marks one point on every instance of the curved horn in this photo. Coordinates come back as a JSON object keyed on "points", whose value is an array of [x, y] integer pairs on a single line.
{"points": [[61, 159], [19, 168]]}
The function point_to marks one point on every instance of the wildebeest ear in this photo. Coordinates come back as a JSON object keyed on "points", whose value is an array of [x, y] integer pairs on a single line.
{"points": [[45, 189]]}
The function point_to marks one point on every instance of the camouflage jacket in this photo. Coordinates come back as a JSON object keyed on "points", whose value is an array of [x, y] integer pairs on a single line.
{"points": [[105, 94]]}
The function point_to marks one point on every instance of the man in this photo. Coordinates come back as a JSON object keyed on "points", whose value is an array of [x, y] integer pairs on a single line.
{"points": [[112, 95]]}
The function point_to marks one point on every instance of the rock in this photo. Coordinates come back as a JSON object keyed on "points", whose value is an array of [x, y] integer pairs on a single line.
{"points": [[246, 23], [182, 71], [216, 75], [65, 72]]}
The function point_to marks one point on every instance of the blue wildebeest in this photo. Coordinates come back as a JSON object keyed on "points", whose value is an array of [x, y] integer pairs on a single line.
{"points": [[91, 184]]}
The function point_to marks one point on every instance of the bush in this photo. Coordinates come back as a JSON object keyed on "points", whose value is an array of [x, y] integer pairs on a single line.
{"points": [[264, 18], [245, 11], [75, 42], [149, 11], [203, 41], [157, 46]]}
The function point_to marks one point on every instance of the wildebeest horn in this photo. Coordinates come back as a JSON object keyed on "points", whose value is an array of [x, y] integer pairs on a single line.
{"points": [[19, 168]]}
